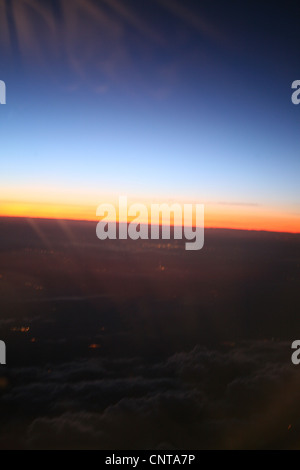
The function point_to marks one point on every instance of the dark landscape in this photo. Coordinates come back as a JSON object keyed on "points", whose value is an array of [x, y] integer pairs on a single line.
{"points": [[143, 345]]}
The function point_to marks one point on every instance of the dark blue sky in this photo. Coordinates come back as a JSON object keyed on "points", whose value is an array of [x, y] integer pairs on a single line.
{"points": [[181, 99]]}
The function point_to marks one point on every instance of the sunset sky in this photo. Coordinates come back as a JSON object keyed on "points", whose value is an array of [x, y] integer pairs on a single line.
{"points": [[157, 100]]}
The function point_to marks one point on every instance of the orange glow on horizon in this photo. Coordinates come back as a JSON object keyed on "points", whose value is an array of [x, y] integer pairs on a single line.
{"points": [[216, 216]]}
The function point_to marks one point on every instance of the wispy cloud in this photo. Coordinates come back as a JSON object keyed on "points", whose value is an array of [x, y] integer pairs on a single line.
{"points": [[199, 23]]}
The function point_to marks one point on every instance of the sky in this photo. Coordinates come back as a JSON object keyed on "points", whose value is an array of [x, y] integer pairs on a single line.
{"points": [[179, 101]]}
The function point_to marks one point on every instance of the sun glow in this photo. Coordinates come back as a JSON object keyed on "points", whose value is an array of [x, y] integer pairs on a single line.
{"points": [[216, 215]]}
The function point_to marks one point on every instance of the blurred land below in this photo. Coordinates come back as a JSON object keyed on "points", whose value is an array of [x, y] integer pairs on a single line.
{"points": [[123, 311]]}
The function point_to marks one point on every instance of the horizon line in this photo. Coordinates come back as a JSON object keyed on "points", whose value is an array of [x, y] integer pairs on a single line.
{"points": [[66, 219]]}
